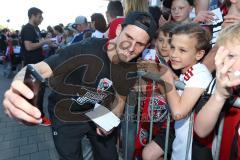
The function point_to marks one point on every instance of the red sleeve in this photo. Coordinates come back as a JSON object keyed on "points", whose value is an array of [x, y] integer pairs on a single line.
{"points": [[113, 27]]}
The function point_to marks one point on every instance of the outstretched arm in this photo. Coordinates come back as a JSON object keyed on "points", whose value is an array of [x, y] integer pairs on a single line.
{"points": [[14, 103]]}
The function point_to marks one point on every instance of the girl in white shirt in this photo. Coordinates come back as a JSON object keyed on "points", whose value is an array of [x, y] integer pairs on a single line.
{"points": [[189, 44]]}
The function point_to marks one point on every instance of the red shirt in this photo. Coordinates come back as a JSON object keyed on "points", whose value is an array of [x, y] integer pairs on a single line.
{"points": [[113, 27], [230, 147]]}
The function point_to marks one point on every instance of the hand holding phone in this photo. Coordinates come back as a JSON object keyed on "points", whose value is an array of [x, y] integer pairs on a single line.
{"points": [[166, 15], [149, 54], [37, 84]]}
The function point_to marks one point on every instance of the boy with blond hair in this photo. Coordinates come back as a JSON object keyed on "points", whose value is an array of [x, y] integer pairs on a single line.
{"points": [[225, 96]]}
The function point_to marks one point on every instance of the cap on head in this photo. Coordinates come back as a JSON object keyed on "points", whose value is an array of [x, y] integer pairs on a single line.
{"points": [[142, 20], [69, 27], [80, 20]]}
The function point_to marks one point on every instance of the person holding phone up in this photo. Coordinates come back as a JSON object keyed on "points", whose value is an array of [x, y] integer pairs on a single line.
{"points": [[76, 87]]}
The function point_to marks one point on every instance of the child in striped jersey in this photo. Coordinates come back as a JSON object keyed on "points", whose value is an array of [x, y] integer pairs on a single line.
{"points": [[225, 96], [189, 44], [155, 149]]}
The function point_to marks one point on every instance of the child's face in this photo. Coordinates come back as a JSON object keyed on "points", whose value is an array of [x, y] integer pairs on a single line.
{"points": [[234, 49], [162, 44], [55, 32], [183, 53], [180, 10], [49, 35]]}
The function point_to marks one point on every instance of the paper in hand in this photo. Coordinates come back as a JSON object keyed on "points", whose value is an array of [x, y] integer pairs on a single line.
{"points": [[103, 117], [217, 17]]}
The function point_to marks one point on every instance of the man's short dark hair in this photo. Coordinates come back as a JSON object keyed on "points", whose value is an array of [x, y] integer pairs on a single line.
{"points": [[115, 8], [34, 11]]}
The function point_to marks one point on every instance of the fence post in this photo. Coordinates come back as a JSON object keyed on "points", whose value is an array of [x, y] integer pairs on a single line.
{"points": [[219, 137], [139, 103], [190, 132], [151, 111], [126, 135], [167, 135]]}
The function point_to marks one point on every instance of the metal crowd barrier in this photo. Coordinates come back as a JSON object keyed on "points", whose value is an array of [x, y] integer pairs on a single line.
{"points": [[219, 138], [179, 85]]}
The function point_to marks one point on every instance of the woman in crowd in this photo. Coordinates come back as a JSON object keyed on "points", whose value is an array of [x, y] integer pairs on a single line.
{"points": [[98, 23]]}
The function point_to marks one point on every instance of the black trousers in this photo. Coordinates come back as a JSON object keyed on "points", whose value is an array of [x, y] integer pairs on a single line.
{"points": [[67, 139], [68, 136], [200, 152]]}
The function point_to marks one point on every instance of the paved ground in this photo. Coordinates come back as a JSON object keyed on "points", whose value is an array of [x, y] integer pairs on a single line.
{"points": [[20, 142]]}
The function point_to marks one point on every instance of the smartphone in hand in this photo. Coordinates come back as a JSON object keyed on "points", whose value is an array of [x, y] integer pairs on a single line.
{"points": [[37, 84], [166, 14], [151, 54]]}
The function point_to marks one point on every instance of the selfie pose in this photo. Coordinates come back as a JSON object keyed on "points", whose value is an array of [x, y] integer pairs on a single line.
{"points": [[76, 88]]}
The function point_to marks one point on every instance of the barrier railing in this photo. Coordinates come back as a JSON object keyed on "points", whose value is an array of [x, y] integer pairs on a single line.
{"points": [[180, 86]]}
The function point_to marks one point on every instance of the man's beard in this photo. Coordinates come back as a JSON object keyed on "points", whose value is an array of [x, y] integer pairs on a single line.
{"points": [[122, 58]]}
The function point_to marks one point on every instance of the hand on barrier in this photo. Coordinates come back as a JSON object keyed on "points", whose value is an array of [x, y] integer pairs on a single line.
{"points": [[152, 67]]}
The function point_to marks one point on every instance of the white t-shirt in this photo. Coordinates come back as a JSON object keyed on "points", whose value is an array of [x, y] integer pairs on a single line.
{"points": [[98, 34], [197, 76], [16, 50]]}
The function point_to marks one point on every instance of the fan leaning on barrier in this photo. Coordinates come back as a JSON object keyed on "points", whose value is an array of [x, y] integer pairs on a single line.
{"points": [[157, 79], [180, 86]]}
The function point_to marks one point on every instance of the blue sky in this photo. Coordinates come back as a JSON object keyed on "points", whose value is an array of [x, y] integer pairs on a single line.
{"points": [[55, 11]]}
